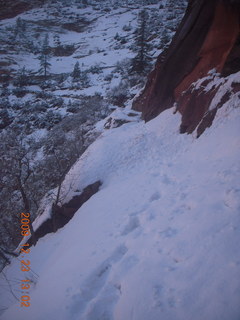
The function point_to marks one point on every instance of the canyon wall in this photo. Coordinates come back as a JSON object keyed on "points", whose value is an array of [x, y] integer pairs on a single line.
{"points": [[207, 40]]}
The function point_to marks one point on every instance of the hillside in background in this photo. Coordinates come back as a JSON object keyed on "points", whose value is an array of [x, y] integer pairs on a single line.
{"points": [[143, 221]]}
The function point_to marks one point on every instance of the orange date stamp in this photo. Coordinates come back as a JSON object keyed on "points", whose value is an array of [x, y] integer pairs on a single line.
{"points": [[25, 264]]}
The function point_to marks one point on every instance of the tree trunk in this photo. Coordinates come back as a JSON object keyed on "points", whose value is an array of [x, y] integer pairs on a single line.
{"points": [[27, 209]]}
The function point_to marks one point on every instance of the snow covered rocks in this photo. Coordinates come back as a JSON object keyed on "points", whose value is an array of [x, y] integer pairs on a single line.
{"points": [[61, 215]]}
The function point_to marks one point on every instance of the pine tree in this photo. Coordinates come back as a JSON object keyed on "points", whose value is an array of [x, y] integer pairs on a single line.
{"points": [[84, 79], [165, 38], [141, 61], [76, 72], [20, 27], [5, 118], [44, 58], [22, 77]]}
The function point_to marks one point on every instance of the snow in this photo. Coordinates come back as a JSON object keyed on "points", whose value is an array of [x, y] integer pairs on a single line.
{"points": [[94, 45], [224, 89], [160, 240], [89, 43], [223, 85]]}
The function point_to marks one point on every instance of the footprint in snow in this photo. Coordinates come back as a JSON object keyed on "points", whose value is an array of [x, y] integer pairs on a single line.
{"points": [[165, 179], [102, 308], [169, 233], [133, 224], [164, 298], [155, 196], [94, 284], [232, 199]]}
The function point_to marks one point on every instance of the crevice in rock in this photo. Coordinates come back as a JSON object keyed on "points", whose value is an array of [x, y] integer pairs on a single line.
{"points": [[207, 120]]}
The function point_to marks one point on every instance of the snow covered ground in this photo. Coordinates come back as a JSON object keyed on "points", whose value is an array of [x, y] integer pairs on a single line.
{"points": [[160, 240], [101, 37]]}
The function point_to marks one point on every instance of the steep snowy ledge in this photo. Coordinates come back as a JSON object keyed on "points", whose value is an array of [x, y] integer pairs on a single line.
{"points": [[160, 240]]}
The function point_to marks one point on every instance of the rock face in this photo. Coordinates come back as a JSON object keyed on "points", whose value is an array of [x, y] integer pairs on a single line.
{"points": [[207, 38], [10, 9], [61, 215]]}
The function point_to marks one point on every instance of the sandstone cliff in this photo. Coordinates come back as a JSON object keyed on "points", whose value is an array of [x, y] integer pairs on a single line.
{"points": [[207, 42]]}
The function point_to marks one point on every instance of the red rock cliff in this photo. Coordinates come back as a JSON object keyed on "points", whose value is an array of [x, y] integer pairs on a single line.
{"points": [[207, 38], [10, 9]]}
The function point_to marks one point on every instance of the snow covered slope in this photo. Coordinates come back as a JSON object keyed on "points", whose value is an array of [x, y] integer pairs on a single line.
{"points": [[160, 240], [89, 48]]}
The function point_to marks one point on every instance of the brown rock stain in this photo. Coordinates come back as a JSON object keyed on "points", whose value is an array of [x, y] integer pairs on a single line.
{"points": [[216, 47]]}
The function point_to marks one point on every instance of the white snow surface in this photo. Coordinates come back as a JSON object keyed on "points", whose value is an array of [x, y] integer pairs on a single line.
{"points": [[160, 240]]}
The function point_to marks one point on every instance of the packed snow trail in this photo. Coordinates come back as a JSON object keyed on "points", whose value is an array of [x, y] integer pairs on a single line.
{"points": [[160, 240]]}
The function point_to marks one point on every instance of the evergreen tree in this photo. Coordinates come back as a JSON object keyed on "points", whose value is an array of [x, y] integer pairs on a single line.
{"points": [[20, 27], [165, 38], [76, 72], [141, 61], [44, 58], [84, 79], [5, 118], [22, 77], [31, 46]]}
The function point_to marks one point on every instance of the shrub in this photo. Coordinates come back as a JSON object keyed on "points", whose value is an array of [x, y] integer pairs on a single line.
{"points": [[127, 27], [96, 69], [119, 94]]}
